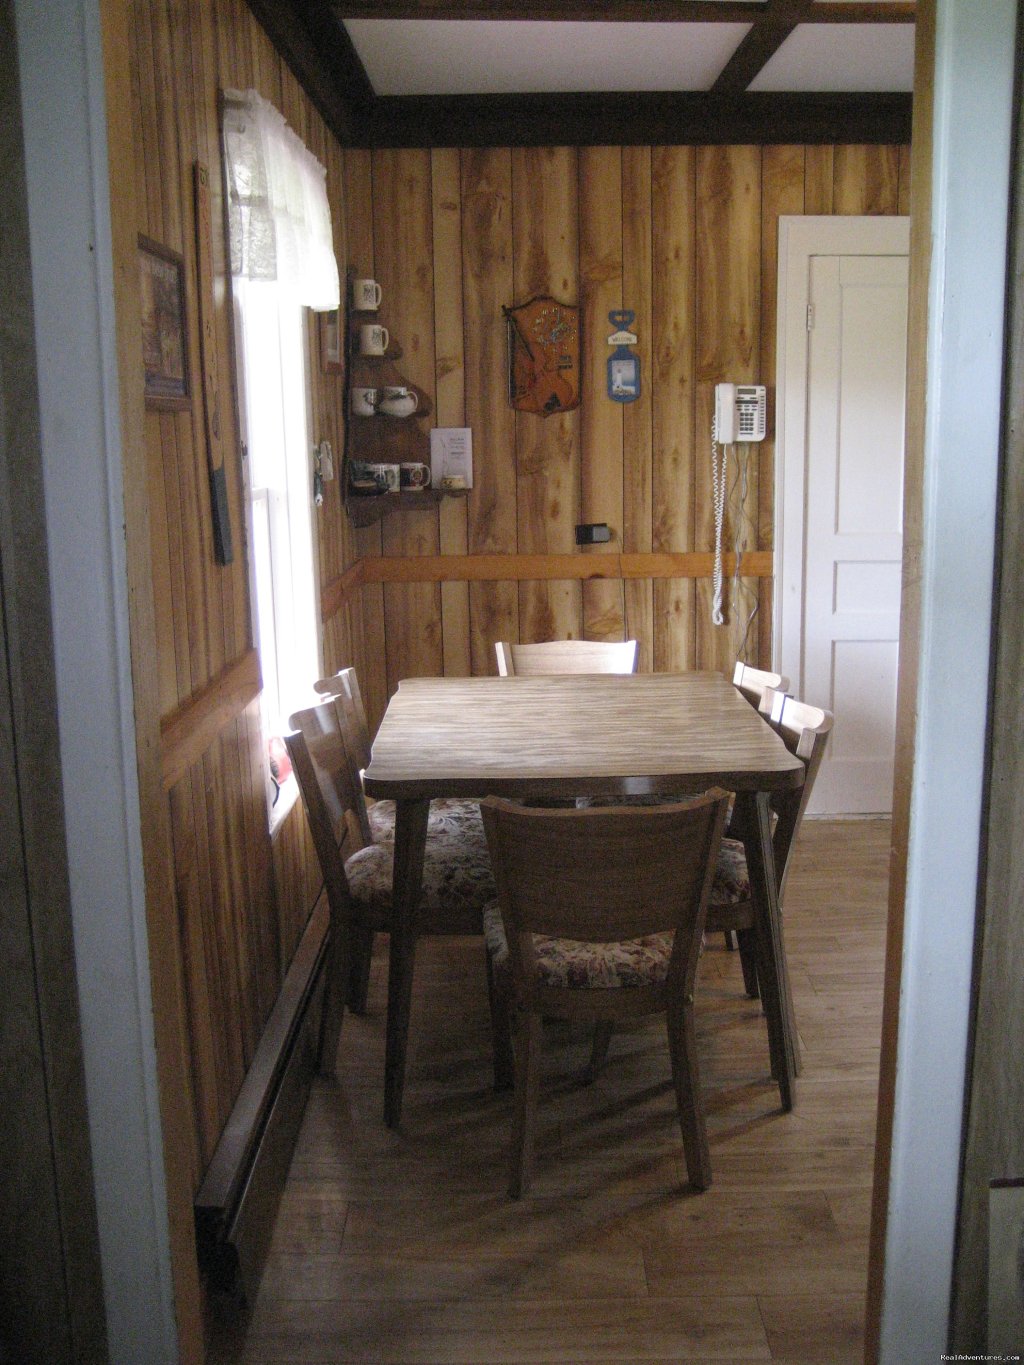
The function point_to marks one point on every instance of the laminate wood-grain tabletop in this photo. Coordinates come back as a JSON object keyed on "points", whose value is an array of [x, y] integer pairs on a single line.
{"points": [[583, 734]]}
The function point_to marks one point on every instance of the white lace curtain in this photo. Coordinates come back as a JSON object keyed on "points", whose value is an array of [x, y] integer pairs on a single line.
{"points": [[278, 214]]}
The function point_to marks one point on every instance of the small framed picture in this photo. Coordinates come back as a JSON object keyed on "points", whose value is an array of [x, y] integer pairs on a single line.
{"points": [[330, 342], [164, 329]]}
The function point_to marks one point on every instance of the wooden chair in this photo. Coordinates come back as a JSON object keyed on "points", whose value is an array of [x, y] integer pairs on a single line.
{"points": [[805, 731], [565, 656], [376, 821], [599, 916], [752, 682], [457, 880]]}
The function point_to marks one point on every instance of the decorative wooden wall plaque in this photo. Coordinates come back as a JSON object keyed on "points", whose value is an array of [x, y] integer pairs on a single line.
{"points": [[543, 356]]}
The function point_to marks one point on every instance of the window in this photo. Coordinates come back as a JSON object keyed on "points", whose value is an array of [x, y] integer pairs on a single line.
{"points": [[282, 262]]}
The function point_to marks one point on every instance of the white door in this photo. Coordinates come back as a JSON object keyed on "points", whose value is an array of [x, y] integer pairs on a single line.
{"points": [[846, 454]]}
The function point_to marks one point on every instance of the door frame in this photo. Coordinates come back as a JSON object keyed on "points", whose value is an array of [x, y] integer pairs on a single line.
{"points": [[800, 238]]}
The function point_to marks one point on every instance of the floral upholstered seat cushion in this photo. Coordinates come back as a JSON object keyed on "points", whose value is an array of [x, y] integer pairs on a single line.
{"points": [[732, 881], [457, 877], [449, 816], [578, 965]]}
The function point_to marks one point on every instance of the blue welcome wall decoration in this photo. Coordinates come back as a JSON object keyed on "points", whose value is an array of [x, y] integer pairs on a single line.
{"points": [[623, 364]]}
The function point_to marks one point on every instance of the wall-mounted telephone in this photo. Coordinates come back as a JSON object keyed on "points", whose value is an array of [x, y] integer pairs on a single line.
{"points": [[740, 412]]}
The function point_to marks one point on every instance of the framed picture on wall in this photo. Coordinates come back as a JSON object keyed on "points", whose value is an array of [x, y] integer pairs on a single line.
{"points": [[330, 342], [164, 329]]}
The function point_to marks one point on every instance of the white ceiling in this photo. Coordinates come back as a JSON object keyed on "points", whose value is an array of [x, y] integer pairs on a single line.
{"points": [[471, 57], [841, 57]]}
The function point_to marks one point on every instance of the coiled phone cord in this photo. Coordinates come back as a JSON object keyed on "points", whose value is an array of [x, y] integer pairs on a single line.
{"points": [[718, 489]]}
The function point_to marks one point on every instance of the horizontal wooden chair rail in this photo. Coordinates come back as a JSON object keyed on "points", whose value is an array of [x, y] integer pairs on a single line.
{"points": [[512, 568]]}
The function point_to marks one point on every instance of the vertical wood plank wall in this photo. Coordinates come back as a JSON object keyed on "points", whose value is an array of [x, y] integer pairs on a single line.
{"points": [[241, 900], [685, 236]]}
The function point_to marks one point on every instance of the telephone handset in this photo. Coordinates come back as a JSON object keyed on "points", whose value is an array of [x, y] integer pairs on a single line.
{"points": [[740, 411]]}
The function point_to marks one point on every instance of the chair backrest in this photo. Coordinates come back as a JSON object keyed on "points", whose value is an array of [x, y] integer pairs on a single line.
{"points": [[343, 686], [565, 656], [804, 730], [752, 682], [323, 769], [604, 874]]}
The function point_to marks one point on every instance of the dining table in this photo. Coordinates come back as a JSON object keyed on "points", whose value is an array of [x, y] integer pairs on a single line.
{"points": [[579, 735]]}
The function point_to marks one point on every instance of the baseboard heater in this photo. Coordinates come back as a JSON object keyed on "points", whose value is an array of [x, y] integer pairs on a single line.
{"points": [[240, 1193]]}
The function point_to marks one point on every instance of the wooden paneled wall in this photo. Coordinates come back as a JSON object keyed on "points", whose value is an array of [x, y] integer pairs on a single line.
{"points": [[242, 900], [686, 237]]}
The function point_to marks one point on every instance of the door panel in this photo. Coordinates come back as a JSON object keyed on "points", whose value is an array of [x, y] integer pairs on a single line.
{"points": [[856, 365]]}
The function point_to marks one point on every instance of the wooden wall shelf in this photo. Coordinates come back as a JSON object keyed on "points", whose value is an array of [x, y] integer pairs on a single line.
{"points": [[365, 510]]}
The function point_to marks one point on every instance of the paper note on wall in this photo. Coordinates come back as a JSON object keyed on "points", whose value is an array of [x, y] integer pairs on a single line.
{"points": [[451, 458]]}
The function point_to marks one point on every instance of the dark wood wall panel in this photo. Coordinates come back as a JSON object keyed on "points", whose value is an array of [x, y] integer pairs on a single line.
{"points": [[686, 237], [403, 218], [242, 901], [637, 418], [487, 285], [673, 291], [450, 390], [602, 471], [545, 260], [728, 330]]}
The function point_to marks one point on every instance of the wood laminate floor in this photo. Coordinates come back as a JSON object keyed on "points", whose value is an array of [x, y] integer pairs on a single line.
{"points": [[403, 1248]]}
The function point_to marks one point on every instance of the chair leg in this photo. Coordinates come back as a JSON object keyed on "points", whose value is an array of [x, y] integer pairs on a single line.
{"points": [[598, 1049], [682, 1042], [501, 1027], [527, 1050], [359, 970], [748, 961], [730, 940]]}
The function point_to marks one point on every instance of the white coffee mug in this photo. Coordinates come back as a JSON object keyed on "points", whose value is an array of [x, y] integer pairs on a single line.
{"points": [[364, 402], [398, 401], [392, 475], [366, 295], [373, 338]]}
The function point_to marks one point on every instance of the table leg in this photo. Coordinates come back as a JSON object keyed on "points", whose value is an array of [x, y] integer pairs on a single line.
{"points": [[407, 883], [773, 975]]}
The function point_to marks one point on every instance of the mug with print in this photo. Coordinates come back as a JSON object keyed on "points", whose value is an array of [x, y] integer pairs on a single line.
{"points": [[415, 475], [364, 401], [390, 475], [366, 295], [373, 338]]}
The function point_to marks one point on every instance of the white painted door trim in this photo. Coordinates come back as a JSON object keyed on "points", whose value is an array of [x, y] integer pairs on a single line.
{"points": [[800, 238], [60, 55]]}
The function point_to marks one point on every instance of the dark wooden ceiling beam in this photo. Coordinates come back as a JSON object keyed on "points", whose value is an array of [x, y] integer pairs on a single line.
{"points": [[623, 11], [314, 42], [331, 37], [650, 118], [764, 39], [313, 67], [601, 11]]}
